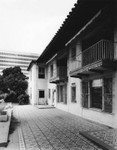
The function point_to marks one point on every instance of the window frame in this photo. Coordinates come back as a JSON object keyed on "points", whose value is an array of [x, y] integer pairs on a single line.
{"points": [[41, 72], [42, 94], [72, 87], [104, 108]]}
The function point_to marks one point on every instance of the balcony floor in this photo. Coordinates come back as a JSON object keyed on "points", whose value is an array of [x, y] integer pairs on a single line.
{"points": [[98, 67], [58, 79]]}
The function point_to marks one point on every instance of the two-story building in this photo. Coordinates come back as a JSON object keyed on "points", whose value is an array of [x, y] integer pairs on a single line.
{"points": [[80, 64]]}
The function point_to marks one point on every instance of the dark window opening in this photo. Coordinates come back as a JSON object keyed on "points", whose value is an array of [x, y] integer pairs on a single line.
{"points": [[73, 94], [41, 94], [96, 94], [41, 72], [85, 94]]}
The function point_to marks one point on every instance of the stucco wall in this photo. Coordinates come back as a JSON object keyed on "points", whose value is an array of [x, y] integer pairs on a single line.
{"points": [[51, 86], [34, 84]]}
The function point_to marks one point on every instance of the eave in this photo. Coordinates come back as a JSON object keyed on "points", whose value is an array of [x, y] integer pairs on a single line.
{"points": [[84, 10]]}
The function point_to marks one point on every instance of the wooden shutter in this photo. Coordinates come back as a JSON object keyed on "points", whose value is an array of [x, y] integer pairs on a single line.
{"points": [[85, 94], [108, 95], [65, 94]]}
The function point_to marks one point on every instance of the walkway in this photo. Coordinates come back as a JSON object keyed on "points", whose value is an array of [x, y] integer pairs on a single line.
{"points": [[49, 129]]}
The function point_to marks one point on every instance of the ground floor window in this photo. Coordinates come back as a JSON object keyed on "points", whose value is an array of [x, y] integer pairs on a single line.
{"points": [[108, 95], [97, 94], [73, 93], [41, 93], [62, 93], [85, 93]]}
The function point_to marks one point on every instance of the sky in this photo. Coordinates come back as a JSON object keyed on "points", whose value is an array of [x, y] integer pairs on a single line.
{"points": [[30, 25]]}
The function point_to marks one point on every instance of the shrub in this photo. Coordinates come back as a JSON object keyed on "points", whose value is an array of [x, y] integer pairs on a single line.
{"points": [[23, 99], [3, 96], [11, 97]]}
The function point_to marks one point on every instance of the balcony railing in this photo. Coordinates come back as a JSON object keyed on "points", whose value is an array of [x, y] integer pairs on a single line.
{"points": [[59, 73], [102, 50]]}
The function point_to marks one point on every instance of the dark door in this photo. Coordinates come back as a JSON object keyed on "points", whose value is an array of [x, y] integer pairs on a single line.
{"points": [[96, 94], [97, 97]]}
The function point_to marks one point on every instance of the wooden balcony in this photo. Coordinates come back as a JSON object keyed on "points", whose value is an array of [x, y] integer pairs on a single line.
{"points": [[59, 75], [96, 59]]}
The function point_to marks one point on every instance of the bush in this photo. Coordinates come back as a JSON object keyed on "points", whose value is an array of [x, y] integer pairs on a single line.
{"points": [[3, 96], [11, 97], [23, 99]]}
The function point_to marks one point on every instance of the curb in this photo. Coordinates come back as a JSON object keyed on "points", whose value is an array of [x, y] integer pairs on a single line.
{"points": [[98, 142], [4, 129]]}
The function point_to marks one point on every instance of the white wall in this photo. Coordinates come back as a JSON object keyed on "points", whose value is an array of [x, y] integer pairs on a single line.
{"points": [[36, 84], [41, 85], [51, 86]]}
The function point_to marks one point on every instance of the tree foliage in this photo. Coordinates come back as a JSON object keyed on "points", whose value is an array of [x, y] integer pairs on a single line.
{"points": [[13, 80]]}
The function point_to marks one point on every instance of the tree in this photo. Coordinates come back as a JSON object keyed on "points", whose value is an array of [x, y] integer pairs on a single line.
{"points": [[13, 80]]}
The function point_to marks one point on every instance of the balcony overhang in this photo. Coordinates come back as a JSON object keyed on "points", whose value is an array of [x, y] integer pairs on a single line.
{"points": [[57, 80], [99, 67]]}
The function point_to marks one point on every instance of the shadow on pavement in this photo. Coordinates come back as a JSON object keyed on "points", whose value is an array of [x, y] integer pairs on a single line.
{"points": [[14, 124]]}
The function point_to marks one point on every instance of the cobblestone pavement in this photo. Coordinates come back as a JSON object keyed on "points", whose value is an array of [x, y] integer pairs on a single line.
{"points": [[50, 129]]}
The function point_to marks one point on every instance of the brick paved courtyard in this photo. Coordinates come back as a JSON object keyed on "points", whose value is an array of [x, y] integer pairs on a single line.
{"points": [[49, 129]]}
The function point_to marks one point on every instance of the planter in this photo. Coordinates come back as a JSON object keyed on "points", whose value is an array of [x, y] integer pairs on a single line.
{"points": [[3, 116]]}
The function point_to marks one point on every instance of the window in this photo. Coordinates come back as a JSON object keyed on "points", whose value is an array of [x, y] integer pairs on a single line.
{"points": [[108, 95], [51, 70], [62, 93], [85, 94], [49, 93], [73, 93], [73, 53], [97, 94], [41, 72], [41, 94]]}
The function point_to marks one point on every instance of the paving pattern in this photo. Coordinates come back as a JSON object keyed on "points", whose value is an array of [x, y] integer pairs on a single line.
{"points": [[50, 129]]}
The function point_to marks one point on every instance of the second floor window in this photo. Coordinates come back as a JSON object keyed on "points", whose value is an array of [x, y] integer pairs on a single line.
{"points": [[73, 53], [41, 72]]}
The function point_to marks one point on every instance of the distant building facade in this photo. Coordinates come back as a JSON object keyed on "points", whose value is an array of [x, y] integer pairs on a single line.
{"points": [[12, 59]]}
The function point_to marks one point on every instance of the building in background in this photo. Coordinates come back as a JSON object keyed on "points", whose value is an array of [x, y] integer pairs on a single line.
{"points": [[12, 59]]}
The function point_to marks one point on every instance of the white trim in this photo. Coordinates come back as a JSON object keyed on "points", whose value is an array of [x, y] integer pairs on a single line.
{"points": [[51, 58]]}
